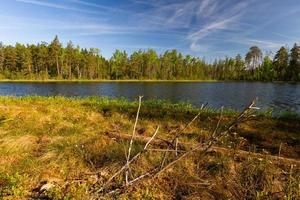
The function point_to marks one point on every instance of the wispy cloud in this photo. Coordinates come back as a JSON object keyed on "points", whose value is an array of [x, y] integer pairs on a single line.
{"points": [[207, 30], [223, 21], [199, 27], [171, 15], [55, 5], [97, 6], [287, 36], [266, 44], [207, 8]]}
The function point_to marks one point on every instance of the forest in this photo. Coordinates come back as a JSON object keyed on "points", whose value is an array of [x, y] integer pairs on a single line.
{"points": [[54, 61]]}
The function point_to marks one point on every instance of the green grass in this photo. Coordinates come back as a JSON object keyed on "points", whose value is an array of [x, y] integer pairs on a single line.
{"points": [[55, 139]]}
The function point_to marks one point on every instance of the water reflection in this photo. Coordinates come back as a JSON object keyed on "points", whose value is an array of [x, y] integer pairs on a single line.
{"points": [[280, 96]]}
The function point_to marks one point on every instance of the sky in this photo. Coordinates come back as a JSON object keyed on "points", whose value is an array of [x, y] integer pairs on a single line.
{"points": [[207, 29]]}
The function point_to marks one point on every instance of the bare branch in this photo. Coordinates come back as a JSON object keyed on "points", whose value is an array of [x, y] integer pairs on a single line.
{"points": [[153, 136], [190, 123], [130, 161], [133, 133], [211, 142], [218, 124]]}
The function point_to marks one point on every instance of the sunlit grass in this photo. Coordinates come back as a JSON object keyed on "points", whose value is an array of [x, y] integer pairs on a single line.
{"points": [[59, 138]]}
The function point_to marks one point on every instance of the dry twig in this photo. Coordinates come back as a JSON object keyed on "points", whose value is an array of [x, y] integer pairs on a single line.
{"points": [[131, 141], [204, 148]]}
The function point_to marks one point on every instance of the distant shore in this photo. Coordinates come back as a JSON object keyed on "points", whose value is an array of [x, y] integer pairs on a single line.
{"points": [[129, 81], [98, 81]]}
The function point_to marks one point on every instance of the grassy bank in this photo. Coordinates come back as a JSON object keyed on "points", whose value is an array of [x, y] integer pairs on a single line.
{"points": [[104, 81], [67, 144]]}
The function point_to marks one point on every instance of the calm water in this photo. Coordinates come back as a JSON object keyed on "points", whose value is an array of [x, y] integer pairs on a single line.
{"points": [[280, 96]]}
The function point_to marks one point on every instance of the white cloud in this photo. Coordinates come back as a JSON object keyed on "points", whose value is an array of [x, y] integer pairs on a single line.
{"points": [[54, 5], [225, 20], [98, 6], [266, 44], [207, 8], [171, 16]]}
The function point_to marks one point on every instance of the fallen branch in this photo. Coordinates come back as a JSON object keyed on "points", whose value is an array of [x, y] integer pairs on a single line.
{"points": [[188, 145]]}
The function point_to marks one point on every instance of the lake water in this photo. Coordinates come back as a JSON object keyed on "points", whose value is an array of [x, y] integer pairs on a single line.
{"points": [[279, 96]]}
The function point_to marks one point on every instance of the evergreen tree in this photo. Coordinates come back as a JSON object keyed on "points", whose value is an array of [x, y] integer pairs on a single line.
{"points": [[281, 63], [54, 56], [42, 58], [23, 59], [266, 71], [151, 64], [69, 60], [293, 72], [253, 60], [10, 59], [238, 68], [118, 62], [1, 57], [55, 61], [93, 62], [136, 64]]}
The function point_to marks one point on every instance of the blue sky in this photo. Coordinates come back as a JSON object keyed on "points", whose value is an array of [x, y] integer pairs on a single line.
{"points": [[203, 28]]}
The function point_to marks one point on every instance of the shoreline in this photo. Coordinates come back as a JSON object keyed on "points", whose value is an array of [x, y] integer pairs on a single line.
{"points": [[138, 81], [123, 105], [105, 81]]}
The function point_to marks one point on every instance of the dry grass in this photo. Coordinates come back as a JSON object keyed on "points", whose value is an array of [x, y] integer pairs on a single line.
{"points": [[59, 140]]}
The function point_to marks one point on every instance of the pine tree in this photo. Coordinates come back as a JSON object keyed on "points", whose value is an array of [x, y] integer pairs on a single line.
{"points": [[1, 57], [10, 59], [266, 71], [151, 64], [253, 58], [23, 59], [54, 55], [238, 67], [69, 59], [281, 63], [293, 72], [136, 64], [118, 62], [42, 58]]}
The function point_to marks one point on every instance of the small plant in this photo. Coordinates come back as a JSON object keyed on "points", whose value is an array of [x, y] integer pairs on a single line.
{"points": [[292, 189], [255, 178], [219, 164], [11, 185], [289, 115]]}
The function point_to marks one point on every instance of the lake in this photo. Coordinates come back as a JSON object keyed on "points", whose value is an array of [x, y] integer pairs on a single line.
{"points": [[236, 95]]}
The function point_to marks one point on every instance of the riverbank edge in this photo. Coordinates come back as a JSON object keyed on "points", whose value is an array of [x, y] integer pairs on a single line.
{"points": [[103, 81], [136, 81], [165, 107]]}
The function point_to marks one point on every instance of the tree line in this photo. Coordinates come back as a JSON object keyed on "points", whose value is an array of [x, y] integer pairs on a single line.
{"points": [[53, 61]]}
